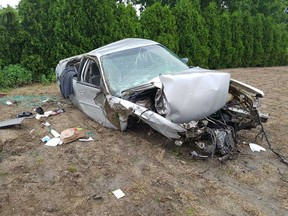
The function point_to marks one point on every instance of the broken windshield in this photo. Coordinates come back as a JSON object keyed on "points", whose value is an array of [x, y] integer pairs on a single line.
{"points": [[129, 68]]}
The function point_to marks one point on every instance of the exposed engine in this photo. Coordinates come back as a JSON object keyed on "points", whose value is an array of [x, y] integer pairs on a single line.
{"points": [[216, 134]]}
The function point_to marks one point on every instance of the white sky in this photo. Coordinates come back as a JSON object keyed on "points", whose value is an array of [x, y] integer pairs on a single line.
{"points": [[4, 3]]}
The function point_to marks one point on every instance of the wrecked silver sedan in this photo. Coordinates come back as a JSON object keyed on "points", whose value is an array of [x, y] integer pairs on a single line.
{"points": [[132, 79]]}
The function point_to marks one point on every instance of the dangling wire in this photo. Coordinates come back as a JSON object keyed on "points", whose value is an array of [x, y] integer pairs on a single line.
{"points": [[264, 135]]}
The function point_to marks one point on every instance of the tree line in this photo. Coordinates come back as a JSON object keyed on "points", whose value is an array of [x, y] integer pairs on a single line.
{"points": [[211, 33]]}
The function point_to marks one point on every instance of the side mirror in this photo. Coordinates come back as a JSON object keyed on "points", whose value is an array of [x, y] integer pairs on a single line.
{"points": [[185, 60]]}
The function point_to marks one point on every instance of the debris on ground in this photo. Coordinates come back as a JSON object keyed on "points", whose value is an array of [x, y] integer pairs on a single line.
{"points": [[46, 124], [29, 101], [54, 133], [71, 134], [24, 114], [9, 103], [54, 142], [45, 138], [256, 148], [49, 113], [118, 193], [3, 94], [86, 140], [39, 110], [11, 122]]}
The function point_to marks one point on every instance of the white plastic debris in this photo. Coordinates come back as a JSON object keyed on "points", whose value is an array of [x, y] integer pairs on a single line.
{"points": [[47, 124], [54, 133], [178, 142], [54, 142], [31, 131], [118, 193], [38, 116], [86, 140], [9, 103], [256, 148], [44, 101], [46, 114]]}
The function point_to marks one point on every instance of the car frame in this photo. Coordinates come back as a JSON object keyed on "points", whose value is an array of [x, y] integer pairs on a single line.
{"points": [[132, 79]]}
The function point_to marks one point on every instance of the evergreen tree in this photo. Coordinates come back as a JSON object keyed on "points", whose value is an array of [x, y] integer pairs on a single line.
{"points": [[248, 40], [127, 22], [70, 29], [267, 41], [159, 24], [226, 50], [100, 21], [10, 37], [258, 50], [83, 25], [212, 23], [280, 45], [276, 45], [37, 23], [193, 36], [237, 41]]}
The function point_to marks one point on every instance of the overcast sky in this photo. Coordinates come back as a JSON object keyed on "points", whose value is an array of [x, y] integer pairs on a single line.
{"points": [[4, 3]]}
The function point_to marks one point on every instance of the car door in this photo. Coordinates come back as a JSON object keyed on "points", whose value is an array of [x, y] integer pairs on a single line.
{"points": [[86, 88]]}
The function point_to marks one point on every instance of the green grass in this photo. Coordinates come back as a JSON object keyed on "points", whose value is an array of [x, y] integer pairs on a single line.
{"points": [[72, 169]]}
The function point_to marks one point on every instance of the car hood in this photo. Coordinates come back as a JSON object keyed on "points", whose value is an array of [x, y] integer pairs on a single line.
{"points": [[189, 96], [194, 96]]}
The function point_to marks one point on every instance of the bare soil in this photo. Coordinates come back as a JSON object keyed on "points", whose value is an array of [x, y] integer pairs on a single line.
{"points": [[157, 177]]}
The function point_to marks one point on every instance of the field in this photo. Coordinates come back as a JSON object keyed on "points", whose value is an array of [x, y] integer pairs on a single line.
{"points": [[157, 177]]}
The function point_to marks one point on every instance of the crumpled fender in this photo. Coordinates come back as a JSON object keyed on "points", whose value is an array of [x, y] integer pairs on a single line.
{"points": [[156, 121]]}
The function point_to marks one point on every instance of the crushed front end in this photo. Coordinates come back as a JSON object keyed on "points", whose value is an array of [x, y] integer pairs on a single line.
{"points": [[205, 109]]}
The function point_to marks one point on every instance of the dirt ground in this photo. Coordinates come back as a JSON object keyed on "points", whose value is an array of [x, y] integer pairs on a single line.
{"points": [[157, 177]]}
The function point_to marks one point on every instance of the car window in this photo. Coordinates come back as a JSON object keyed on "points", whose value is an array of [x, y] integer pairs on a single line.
{"points": [[91, 73], [129, 68]]}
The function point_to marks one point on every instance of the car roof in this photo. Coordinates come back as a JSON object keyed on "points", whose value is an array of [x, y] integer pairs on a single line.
{"points": [[125, 44]]}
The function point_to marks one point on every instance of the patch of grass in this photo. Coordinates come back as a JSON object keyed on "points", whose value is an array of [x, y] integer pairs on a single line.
{"points": [[138, 187], [40, 161], [2, 173], [72, 169], [177, 152], [230, 171], [190, 211]]}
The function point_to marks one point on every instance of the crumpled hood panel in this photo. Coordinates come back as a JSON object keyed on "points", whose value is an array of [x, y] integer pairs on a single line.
{"points": [[194, 96]]}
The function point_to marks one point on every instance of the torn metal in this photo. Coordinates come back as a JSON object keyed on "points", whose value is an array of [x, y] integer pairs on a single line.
{"points": [[11, 122], [193, 96], [136, 79]]}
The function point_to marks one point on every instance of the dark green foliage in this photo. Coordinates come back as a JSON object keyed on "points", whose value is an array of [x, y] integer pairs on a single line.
{"points": [[193, 36], [37, 22], [226, 50], [258, 50], [284, 46], [211, 33], [127, 22], [237, 39], [48, 78], [14, 76], [159, 24], [11, 36], [149, 3], [212, 23], [248, 40], [83, 25], [267, 41], [280, 43]]}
